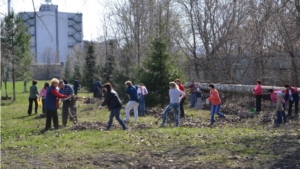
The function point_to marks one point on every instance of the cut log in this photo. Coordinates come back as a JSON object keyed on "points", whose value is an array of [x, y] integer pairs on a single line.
{"points": [[238, 88]]}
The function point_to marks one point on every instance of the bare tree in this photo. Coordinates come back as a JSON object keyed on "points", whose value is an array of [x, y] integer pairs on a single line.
{"points": [[48, 59], [212, 35]]}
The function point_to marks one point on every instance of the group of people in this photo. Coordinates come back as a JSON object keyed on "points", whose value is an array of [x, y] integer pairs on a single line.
{"points": [[50, 95], [177, 96], [60, 89], [279, 98]]}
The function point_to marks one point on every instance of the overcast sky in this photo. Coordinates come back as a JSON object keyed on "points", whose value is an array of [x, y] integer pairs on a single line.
{"points": [[91, 9]]}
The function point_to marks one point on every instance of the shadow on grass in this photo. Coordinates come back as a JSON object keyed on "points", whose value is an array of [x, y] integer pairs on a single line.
{"points": [[6, 103], [249, 152], [42, 131], [291, 160], [21, 117]]}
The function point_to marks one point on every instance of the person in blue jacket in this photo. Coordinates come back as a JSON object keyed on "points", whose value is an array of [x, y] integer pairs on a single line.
{"points": [[76, 85], [96, 89], [51, 104]]}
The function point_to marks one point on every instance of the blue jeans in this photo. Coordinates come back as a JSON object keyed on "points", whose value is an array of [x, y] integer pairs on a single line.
{"points": [[141, 104], [279, 116], [215, 109], [115, 112], [193, 100], [176, 110], [75, 90]]}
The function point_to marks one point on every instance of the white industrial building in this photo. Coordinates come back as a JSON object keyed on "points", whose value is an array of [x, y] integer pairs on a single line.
{"points": [[54, 34]]}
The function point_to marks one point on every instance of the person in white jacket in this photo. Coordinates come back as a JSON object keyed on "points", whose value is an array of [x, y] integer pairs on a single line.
{"points": [[280, 109], [175, 96]]}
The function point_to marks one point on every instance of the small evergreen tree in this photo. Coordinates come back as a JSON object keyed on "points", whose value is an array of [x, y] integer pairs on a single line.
{"points": [[68, 71], [159, 71], [90, 69], [15, 41], [76, 70]]}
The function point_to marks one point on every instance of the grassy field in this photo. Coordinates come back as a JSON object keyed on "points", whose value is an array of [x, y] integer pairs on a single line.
{"points": [[245, 143]]}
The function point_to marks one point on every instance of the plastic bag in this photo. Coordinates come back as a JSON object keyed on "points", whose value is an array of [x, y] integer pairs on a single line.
{"points": [[40, 103]]}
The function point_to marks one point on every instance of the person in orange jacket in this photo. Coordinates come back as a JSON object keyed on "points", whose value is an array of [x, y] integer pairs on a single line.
{"points": [[215, 100]]}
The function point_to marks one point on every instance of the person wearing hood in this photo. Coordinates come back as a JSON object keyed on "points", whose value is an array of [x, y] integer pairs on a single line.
{"points": [[279, 109]]}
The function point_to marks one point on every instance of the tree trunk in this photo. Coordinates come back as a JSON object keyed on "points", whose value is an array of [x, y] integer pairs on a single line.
{"points": [[14, 78], [294, 74], [14, 82], [238, 88], [25, 87], [5, 86]]}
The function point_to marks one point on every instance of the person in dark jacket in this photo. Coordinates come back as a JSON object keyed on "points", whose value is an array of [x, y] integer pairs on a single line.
{"points": [[51, 104], [96, 89], [64, 79], [291, 95], [76, 85], [33, 93], [114, 104]]}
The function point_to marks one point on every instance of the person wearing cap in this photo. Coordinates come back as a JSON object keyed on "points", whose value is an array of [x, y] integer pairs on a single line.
{"points": [[69, 104], [114, 105], [291, 94], [181, 87], [51, 104]]}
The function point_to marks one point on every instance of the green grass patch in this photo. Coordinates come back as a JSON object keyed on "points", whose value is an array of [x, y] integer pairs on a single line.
{"points": [[242, 144]]}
